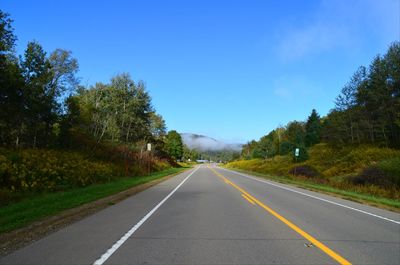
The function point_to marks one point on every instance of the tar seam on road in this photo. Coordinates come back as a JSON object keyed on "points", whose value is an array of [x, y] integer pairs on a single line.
{"points": [[315, 197], [128, 234], [297, 229]]}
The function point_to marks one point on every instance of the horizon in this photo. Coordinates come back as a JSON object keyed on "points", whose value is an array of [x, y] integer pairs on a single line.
{"points": [[218, 69]]}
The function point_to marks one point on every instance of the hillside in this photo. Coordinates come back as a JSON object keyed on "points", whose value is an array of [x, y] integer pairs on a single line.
{"points": [[366, 169]]}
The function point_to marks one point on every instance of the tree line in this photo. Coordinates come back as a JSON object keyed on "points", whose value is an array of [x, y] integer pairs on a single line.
{"points": [[43, 104], [367, 111]]}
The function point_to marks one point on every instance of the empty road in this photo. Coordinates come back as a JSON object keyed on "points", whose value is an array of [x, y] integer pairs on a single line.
{"points": [[211, 215]]}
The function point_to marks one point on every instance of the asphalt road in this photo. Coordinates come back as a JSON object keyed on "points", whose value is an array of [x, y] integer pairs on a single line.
{"points": [[215, 216]]}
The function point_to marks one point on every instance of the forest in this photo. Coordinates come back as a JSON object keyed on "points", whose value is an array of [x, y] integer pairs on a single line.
{"points": [[354, 147], [56, 134], [367, 111]]}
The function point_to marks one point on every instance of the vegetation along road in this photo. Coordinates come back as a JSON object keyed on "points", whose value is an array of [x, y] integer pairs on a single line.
{"points": [[210, 215]]}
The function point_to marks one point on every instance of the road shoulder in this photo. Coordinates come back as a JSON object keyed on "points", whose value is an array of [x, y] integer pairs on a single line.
{"points": [[14, 240]]}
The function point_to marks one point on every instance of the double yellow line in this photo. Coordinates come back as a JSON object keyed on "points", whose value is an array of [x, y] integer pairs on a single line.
{"points": [[304, 234]]}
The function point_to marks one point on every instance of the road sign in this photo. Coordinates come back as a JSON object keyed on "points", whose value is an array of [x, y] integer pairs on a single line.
{"points": [[148, 147], [297, 152]]}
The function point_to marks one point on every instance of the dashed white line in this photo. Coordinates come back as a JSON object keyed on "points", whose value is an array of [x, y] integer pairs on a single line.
{"points": [[128, 234], [314, 197]]}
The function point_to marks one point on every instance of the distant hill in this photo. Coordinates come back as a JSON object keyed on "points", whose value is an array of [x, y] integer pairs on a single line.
{"points": [[205, 143]]}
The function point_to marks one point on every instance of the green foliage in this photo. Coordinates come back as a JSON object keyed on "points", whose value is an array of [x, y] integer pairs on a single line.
{"points": [[34, 87], [286, 148], [34, 170], [174, 145], [191, 154], [47, 170], [248, 148], [295, 133], [368, 109], [391, 166], [223, 156], [367, 112], [7, 37], [118, 112], [313, 129], [39, 205], [338, 167], [303, 155]]}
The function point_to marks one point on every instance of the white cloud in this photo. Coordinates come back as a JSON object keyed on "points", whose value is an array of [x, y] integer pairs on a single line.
{"points": [[340, 24]]}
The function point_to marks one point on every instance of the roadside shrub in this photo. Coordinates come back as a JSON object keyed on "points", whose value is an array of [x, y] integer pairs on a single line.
{"points": [[392, 168], [372, 176], [305, 171]]}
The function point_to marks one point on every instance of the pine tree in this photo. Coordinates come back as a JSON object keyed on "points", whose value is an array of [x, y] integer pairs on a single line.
{"points": [[313, 129]]}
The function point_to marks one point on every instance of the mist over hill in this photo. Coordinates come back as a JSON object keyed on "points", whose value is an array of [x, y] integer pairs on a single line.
{"points": [[205, 143]]}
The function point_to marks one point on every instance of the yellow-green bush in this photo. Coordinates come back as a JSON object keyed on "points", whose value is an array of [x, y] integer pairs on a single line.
{"points": [[43, 170], [50, 170], [338, 167], [332, 161]]}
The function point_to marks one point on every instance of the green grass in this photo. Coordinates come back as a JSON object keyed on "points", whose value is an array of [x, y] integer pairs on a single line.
{"points": [[351, 195], [24, 212]]}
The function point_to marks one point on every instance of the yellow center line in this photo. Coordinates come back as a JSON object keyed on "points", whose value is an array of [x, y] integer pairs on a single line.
{"points": [[297, 229], [248, 199]]}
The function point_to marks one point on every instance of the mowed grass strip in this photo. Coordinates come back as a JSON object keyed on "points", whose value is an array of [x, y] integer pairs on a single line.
{"points": [[25, 212], [381, 202]]}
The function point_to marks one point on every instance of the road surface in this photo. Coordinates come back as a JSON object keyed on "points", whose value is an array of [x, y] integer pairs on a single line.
{"points": [[211, 215]]}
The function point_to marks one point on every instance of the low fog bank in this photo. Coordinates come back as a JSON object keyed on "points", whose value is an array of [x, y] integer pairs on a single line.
{"points": [[205, 143]]}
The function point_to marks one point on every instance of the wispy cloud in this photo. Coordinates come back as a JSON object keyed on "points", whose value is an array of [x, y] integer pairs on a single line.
{"points": [[340, 24], [289, 88]]}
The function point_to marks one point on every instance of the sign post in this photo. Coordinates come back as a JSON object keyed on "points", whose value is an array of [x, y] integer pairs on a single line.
{"points": [[296, 154], [149, 158]]}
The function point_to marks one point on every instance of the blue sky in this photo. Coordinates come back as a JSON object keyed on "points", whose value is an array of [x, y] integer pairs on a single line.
{"points": [[233, 70]]}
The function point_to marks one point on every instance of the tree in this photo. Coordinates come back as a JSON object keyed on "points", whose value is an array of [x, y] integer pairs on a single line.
{"points": [[174, 145], [392, 65], [7, 37], [64, 69], [11, 83], [191, 154], [313, 129], [119, 112], [158, 132], [39, 105], [157, 126], [295, 133], [247, 149]]}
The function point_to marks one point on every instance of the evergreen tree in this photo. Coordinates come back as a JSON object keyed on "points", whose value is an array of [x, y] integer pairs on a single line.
{"points": [[313, 129], [11, 83]]}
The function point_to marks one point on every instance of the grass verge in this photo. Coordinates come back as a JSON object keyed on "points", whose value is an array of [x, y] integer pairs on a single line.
{"points": [[389, 204], [25, 212]]}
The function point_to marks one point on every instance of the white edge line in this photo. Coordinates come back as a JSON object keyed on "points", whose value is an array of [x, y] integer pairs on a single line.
{"points": [[312, 196], [128, 234]]}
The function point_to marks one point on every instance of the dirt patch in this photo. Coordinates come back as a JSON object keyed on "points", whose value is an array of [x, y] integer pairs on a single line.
{"points": [[11, 241]]}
